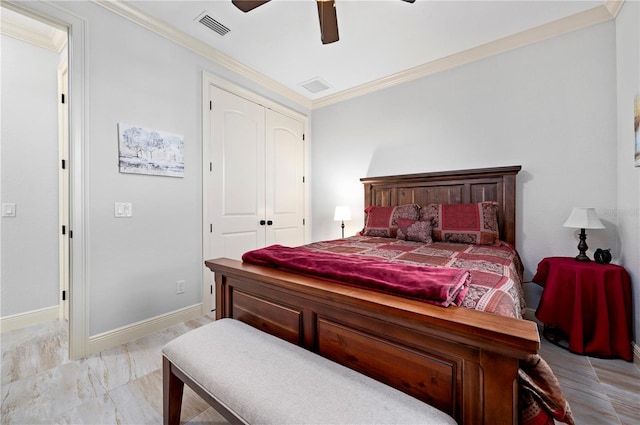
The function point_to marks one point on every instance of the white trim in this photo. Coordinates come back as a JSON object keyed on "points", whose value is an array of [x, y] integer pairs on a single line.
{"points": [[122, 335], [163, 29], [614, 6], [636, 353], [208, 282], [78, 105], [581, 20], [562, 26], [54, 42], [29, 318], [64, 262], [208, 80]]}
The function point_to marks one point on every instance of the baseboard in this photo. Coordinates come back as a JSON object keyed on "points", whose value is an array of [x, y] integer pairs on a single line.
{"points": [[22, 320], [137, 330], [636, 353]]}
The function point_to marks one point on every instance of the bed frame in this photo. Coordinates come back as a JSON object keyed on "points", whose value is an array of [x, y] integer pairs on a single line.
{"points": [[462, 361]]}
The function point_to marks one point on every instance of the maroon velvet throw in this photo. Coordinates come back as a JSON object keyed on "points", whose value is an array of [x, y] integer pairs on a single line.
{"points": [[434, 285]]}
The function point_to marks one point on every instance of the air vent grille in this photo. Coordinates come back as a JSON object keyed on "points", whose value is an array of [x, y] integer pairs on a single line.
{"points": [[315, 85], [214, 25]]}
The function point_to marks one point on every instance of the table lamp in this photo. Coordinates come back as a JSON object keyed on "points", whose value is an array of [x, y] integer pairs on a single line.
{"points": [[342, 214], [583, 218]]}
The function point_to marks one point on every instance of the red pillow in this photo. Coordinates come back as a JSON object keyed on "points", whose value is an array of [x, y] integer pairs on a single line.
{"points": [[414, 230], [465, 223], [383, 221]]}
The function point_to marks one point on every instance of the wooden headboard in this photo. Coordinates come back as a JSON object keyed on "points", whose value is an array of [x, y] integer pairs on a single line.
{"points": [[450, 187]]}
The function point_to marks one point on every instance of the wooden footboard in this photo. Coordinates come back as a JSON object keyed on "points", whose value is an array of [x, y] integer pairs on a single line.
{"points": [[464, 362]]}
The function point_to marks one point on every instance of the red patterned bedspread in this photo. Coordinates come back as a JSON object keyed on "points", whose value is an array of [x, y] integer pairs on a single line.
{"points": [[496, 287], [496, 271]]}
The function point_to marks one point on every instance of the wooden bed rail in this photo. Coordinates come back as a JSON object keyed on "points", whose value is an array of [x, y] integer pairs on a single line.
{"points": [[464, 362]]}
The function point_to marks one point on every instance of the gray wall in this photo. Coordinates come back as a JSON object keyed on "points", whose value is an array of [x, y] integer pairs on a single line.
{"points": [[628, 211], [550, 107], [137, 77], [29, 177]]}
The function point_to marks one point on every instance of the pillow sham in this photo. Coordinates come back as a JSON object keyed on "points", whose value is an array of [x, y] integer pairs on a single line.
{"points": [[383, 221], [414, 230], [475, 223]]}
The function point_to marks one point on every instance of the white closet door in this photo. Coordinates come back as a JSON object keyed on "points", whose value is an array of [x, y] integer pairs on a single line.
{"points": [[237, 201], [284, 180]]}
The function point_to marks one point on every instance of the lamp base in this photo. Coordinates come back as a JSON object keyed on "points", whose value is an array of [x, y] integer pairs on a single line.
{"points": [[582, 247]]}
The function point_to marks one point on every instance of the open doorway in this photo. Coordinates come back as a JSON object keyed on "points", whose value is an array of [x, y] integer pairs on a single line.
{"points": [[35, 183]]}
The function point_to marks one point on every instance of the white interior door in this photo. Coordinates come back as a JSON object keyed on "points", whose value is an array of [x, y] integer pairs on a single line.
{"points": [[284, 180], [237, 202], [63, 189]]}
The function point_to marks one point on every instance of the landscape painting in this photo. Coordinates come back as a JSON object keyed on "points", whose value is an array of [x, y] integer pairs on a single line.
{"points": [[153, 152]]}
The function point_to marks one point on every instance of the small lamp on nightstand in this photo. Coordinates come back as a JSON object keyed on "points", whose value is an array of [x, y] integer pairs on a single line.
{"points": [[583, 218], [342, 214]]}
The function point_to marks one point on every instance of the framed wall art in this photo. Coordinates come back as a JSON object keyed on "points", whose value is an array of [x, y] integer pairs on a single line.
{"points": [[636, 124], [152, 152]]}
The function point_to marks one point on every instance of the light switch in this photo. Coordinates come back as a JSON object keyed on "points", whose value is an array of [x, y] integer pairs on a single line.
{"points": [[123, 209], [8, 210]]}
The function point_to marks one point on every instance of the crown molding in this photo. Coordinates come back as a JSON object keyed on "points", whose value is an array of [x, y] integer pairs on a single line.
{"points": [[553, 29], [593, 16], [614, 6], [55, 41], [163, 29]]}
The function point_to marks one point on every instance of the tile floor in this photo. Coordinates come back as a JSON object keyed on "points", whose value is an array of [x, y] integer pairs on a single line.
{"points": [[123, 385]]}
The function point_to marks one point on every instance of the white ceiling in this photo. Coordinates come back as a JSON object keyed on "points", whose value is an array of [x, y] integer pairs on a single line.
{"points": [[382, 42], [281, 39]]}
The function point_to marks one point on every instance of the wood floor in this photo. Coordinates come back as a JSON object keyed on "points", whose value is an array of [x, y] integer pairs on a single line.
{"points": [[123, 385]]}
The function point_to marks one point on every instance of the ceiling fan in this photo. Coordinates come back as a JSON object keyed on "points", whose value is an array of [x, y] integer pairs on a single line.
{"points": [[326, 15]]}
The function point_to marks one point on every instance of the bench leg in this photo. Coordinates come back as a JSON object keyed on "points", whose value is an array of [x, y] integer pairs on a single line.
{"points": [[172, 389]]}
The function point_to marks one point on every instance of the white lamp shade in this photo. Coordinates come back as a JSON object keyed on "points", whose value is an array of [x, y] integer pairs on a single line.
{"points": [[583, 218], [342, 214]]}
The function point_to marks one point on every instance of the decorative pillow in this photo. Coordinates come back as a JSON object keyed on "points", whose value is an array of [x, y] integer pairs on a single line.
{"points": [[465, 223], [414, 230], [383, 221]]}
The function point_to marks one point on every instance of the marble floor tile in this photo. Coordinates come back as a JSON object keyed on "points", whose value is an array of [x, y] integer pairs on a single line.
{"points": [[24, 353], [40, 397], [123, 385], [151, 387], [208, 417]]}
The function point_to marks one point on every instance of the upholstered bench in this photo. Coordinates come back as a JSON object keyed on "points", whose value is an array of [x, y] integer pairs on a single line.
{"points": [[252, 377]]}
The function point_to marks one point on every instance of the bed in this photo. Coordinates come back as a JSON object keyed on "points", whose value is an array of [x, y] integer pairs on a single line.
{"points": [[464, 361]]}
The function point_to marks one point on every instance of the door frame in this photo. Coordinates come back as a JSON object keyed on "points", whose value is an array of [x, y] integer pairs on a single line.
{"points": [[208, 79], [78, 288], [63, 189]]}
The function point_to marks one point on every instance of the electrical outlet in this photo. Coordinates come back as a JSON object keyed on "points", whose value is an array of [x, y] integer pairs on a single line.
{"points": [[180, 286]]}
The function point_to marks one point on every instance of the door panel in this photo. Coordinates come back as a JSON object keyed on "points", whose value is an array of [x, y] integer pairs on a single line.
{"points": [[284, 177], [237, 172]]}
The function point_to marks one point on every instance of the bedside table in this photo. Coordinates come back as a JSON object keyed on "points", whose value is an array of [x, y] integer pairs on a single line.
{"points": [[589, 302]]}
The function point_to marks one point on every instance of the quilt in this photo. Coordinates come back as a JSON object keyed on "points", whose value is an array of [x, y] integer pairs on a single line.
{"points": [[495, 271], [493, 284]]}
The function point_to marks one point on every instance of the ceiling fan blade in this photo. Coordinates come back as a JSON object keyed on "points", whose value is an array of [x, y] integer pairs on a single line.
{"points": [[328, 21], [409, 1], [247, 5]]}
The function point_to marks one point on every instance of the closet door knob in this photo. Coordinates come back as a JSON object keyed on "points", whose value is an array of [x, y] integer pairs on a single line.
{"points": [[262, 222], [269, 222]]}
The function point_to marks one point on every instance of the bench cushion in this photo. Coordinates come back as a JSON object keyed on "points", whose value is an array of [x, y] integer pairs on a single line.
{"points": [[263, 379]]}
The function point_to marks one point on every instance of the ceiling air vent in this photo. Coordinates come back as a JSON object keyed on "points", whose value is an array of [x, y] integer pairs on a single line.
{"points": [[212, 24], [315, 85]]}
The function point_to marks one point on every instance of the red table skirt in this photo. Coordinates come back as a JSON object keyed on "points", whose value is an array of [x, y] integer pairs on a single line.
{"points": [[589, 302]]}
